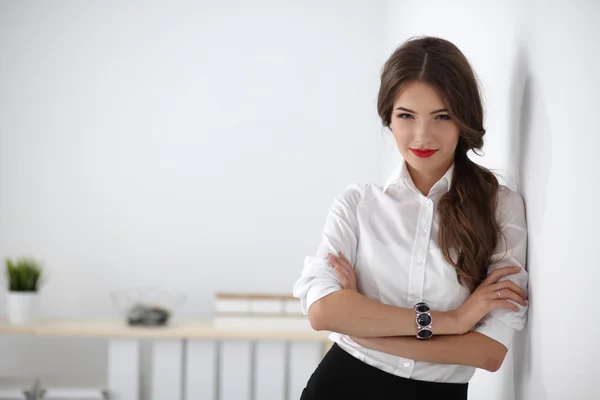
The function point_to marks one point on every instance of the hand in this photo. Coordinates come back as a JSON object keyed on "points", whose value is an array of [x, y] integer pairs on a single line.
{"points": [[344, 271], [488, 296]]}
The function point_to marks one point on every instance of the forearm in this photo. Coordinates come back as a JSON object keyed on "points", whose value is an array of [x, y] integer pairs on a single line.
{"points": [[351, 313], [472, 349]]}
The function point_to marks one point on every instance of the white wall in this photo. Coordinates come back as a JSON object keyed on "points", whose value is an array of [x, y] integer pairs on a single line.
{"points": [[191, 145], [559, 137], [188, 145]]}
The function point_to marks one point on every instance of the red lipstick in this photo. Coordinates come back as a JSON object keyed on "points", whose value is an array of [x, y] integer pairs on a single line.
{"points": [[423, 153]]}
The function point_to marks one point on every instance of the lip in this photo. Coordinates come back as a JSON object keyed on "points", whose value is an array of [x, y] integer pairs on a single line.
{"points": [[423, 153]]}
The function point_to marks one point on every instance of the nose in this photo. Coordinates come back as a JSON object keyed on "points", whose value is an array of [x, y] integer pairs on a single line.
{"points": [[423, 134]]}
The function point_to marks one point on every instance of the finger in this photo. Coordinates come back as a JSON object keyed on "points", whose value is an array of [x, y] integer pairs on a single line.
{"points": [[507, 294], [510, 285], [331, 258], [344, 260], [340, 277], [345, 280], [343, 257], [500, 273], [349, 276], [334, 260], [345, 265], [341, 273], [504, 304]]}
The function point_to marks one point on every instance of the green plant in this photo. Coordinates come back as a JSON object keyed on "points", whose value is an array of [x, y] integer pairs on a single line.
{"points": [[24, 275]]}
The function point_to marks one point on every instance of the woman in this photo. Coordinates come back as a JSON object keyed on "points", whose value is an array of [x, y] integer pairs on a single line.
{"points": [[421, 281]]}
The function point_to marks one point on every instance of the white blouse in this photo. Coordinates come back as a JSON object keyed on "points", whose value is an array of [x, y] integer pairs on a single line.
{"points": [[390, 236]]}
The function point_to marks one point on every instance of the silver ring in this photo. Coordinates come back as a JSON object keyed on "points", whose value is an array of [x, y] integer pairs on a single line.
{"points": [[498, 293]]}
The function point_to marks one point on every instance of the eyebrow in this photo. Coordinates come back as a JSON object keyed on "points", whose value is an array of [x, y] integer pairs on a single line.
{"points": [[411, 111]]}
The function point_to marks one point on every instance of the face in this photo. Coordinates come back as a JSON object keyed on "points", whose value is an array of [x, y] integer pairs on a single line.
{"points": [[425, 134]]}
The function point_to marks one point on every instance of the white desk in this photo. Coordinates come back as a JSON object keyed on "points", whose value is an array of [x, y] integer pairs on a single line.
{"points": [[174, 359]]}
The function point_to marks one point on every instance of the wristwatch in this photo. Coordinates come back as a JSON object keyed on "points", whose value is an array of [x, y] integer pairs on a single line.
{"points": [[423, 321]]}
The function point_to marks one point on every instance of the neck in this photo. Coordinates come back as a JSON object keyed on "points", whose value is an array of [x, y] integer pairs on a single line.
{"points": [[424, 181]]}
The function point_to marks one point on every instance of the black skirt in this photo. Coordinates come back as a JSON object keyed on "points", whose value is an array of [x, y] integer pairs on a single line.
{"points": [[343, 376]]}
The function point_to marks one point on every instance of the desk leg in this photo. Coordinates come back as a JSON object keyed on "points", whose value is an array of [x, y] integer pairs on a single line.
{"points": [[168, 369], [201, 359], [123, 369]]}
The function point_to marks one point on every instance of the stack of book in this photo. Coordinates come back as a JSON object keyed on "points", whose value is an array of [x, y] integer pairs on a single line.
{"points": [[258, 311]]}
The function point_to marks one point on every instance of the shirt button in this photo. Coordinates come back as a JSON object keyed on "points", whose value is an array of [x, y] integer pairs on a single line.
{"points": [[407, 364], [415, 297], [423, 233], [419, 262]]}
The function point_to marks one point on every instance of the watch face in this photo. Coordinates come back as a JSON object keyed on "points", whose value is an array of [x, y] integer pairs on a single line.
{"points": [[424, 334], [424, 320], [421, 307]]}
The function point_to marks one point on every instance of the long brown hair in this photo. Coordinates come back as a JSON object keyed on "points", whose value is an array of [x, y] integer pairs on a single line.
{"points": [[468, 222]]}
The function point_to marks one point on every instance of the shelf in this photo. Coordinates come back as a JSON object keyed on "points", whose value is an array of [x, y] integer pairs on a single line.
{"points": [[261, 329]]}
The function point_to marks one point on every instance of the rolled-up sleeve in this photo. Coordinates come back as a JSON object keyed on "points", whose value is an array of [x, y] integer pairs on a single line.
{"points": [[502, 324], [340, 233]]}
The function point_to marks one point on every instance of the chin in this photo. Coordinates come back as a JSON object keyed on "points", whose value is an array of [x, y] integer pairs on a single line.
{"points": [[424, 165], [417, 162]]}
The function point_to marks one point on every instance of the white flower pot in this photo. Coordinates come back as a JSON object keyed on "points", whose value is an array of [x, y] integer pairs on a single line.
{"points": [[22, 307]]}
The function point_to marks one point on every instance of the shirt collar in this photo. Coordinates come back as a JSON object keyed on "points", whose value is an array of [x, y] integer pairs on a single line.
{"points": [[402, 177]]}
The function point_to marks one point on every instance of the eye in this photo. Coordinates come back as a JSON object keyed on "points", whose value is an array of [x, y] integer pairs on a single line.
{"points": [[405, 116], [444, 117]]}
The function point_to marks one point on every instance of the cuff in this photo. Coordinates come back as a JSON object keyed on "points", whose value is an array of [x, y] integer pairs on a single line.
{"points": [[497, 330], [317, 292]]}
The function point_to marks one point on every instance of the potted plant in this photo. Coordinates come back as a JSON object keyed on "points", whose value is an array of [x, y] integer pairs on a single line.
{"points": [[24, 277]]}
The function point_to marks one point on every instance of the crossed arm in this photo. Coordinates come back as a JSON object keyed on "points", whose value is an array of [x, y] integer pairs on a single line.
{"points": [[366, 329], [392, 329], [472, 348]]}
